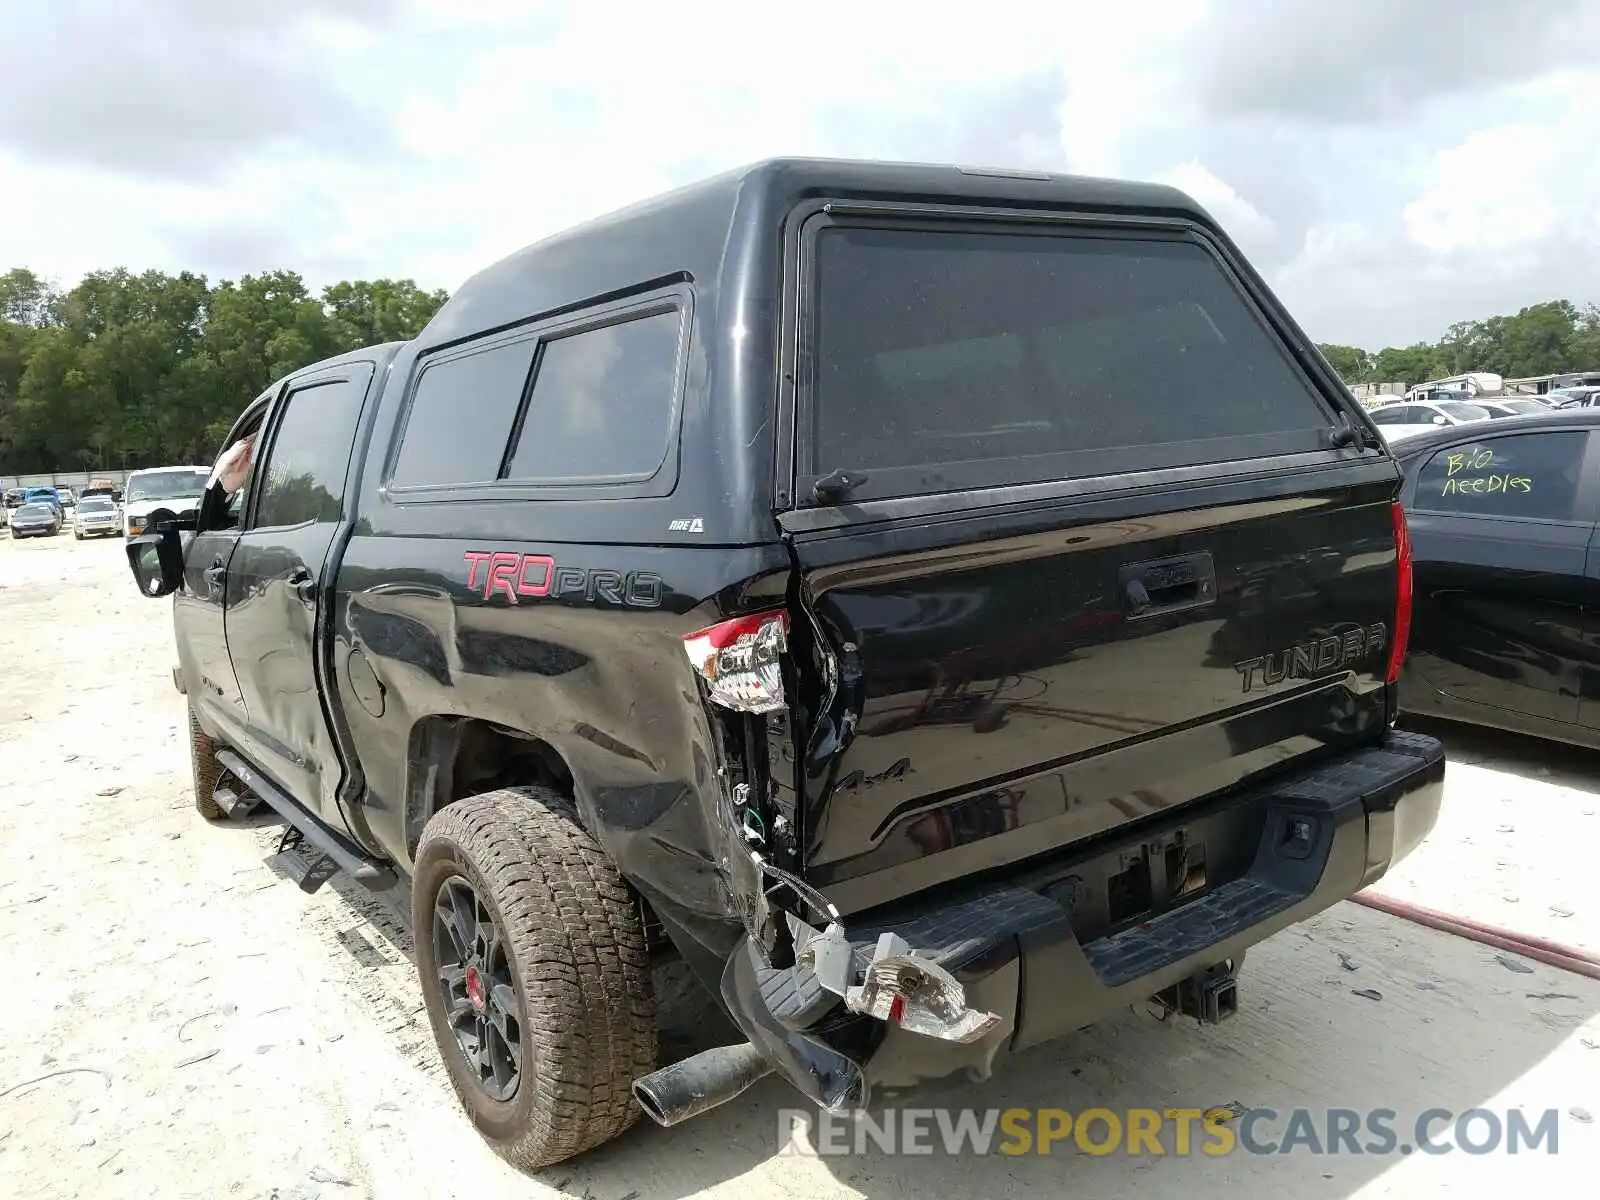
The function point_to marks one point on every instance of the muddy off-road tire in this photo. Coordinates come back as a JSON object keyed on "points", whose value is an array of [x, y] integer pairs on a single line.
{"points": [[525, 928], [207, 770]]}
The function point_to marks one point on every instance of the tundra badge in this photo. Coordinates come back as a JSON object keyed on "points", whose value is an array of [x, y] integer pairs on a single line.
{"points": [[1311, 659]]}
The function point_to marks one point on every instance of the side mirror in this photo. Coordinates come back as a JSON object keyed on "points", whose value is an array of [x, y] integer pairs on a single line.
{"points": [[156, 557], [1437, 420]]}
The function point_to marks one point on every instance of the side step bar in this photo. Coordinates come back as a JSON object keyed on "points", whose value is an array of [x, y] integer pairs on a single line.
{"points": [[235, 803], [363, 868]]}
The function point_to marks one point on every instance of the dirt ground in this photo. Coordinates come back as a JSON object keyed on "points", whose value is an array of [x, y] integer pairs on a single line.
{"points": [[178, 1021]]}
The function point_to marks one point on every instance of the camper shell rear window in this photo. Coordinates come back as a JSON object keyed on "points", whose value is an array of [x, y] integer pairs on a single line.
{"points": [[946, 358]]}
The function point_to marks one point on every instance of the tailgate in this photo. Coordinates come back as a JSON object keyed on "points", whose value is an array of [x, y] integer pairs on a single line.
{"points": [[1079, 537], [1011, 685]]}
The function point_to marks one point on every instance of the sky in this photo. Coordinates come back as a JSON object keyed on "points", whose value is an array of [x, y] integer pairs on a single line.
{"points": [[1391, 166]]}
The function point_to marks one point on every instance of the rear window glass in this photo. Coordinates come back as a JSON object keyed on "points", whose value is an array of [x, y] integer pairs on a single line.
{"points": [[602, 403], [600, 408], [949, 360], [1517, 475], [461, 417]]}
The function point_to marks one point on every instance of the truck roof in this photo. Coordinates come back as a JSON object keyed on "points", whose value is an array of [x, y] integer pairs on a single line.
{"points": [[378, 352], [692, 231]]}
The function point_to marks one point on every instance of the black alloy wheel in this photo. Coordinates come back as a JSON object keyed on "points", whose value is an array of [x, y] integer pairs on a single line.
{"points": [[475, 985], [533, 960]]}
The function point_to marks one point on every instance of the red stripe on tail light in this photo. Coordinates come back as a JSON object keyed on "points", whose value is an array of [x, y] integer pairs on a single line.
{"points": [[723, 634], [1402, 597]]}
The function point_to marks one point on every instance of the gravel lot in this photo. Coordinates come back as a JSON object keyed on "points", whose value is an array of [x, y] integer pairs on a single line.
{"points": [[179, 1021]]}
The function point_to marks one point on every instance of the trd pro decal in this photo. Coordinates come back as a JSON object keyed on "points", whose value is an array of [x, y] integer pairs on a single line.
{"points": [[516, 577]]}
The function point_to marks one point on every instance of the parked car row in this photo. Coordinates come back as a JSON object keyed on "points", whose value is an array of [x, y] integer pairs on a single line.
{"points": [[59, 498], [102, 508], [15, 497], [37, 511], [92, 516], [1404, 419]]}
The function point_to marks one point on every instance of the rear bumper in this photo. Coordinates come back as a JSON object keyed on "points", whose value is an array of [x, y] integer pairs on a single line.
{"points": [[1320, 836]]}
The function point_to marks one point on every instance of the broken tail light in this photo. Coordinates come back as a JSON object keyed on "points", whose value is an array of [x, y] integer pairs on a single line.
{"points": [[1402, 598], [740, 661], [899, 986]]}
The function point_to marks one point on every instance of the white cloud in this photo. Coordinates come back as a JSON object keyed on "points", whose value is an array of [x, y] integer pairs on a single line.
{"points": [[1124, 75], [499, 121], [1489, 192], [65, 221], [1498, 219]]}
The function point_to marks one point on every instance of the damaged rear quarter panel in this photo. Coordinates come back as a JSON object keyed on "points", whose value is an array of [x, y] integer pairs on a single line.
{"points": [[606, 684]]}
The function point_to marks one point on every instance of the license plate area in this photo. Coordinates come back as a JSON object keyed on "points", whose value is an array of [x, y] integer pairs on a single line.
{"points": [[1135, 880]]}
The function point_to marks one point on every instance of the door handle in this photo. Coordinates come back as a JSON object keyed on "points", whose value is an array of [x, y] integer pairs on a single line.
{"points": [[1168, 585], [304, 585]]}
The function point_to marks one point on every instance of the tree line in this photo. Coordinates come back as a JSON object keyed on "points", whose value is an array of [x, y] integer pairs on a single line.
{"points": [[132, 370], [1543, 339]]}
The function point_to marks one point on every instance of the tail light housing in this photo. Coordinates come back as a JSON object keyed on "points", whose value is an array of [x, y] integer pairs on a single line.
{"points": [[1402, 598], [740, 661]]}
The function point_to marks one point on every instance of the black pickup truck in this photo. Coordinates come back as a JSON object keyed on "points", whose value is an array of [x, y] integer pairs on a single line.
{"points": [[942, 606]]}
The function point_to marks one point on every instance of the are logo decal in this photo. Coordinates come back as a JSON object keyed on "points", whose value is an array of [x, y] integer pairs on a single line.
{"points": [[517, 577], [687, 525]]}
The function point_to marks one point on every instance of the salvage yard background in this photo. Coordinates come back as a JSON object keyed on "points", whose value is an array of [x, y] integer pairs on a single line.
{"points": [[179, 1021]]}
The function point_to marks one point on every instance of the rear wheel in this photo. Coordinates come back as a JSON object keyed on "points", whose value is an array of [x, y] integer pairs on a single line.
{"points": [[535, 972], [206, 769]]}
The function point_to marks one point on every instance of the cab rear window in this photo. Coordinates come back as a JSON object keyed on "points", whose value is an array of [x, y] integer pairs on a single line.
{"points": [[946, 361]]}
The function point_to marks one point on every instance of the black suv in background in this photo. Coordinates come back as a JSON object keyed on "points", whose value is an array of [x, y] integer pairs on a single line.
{"points": [[815, 573]]}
